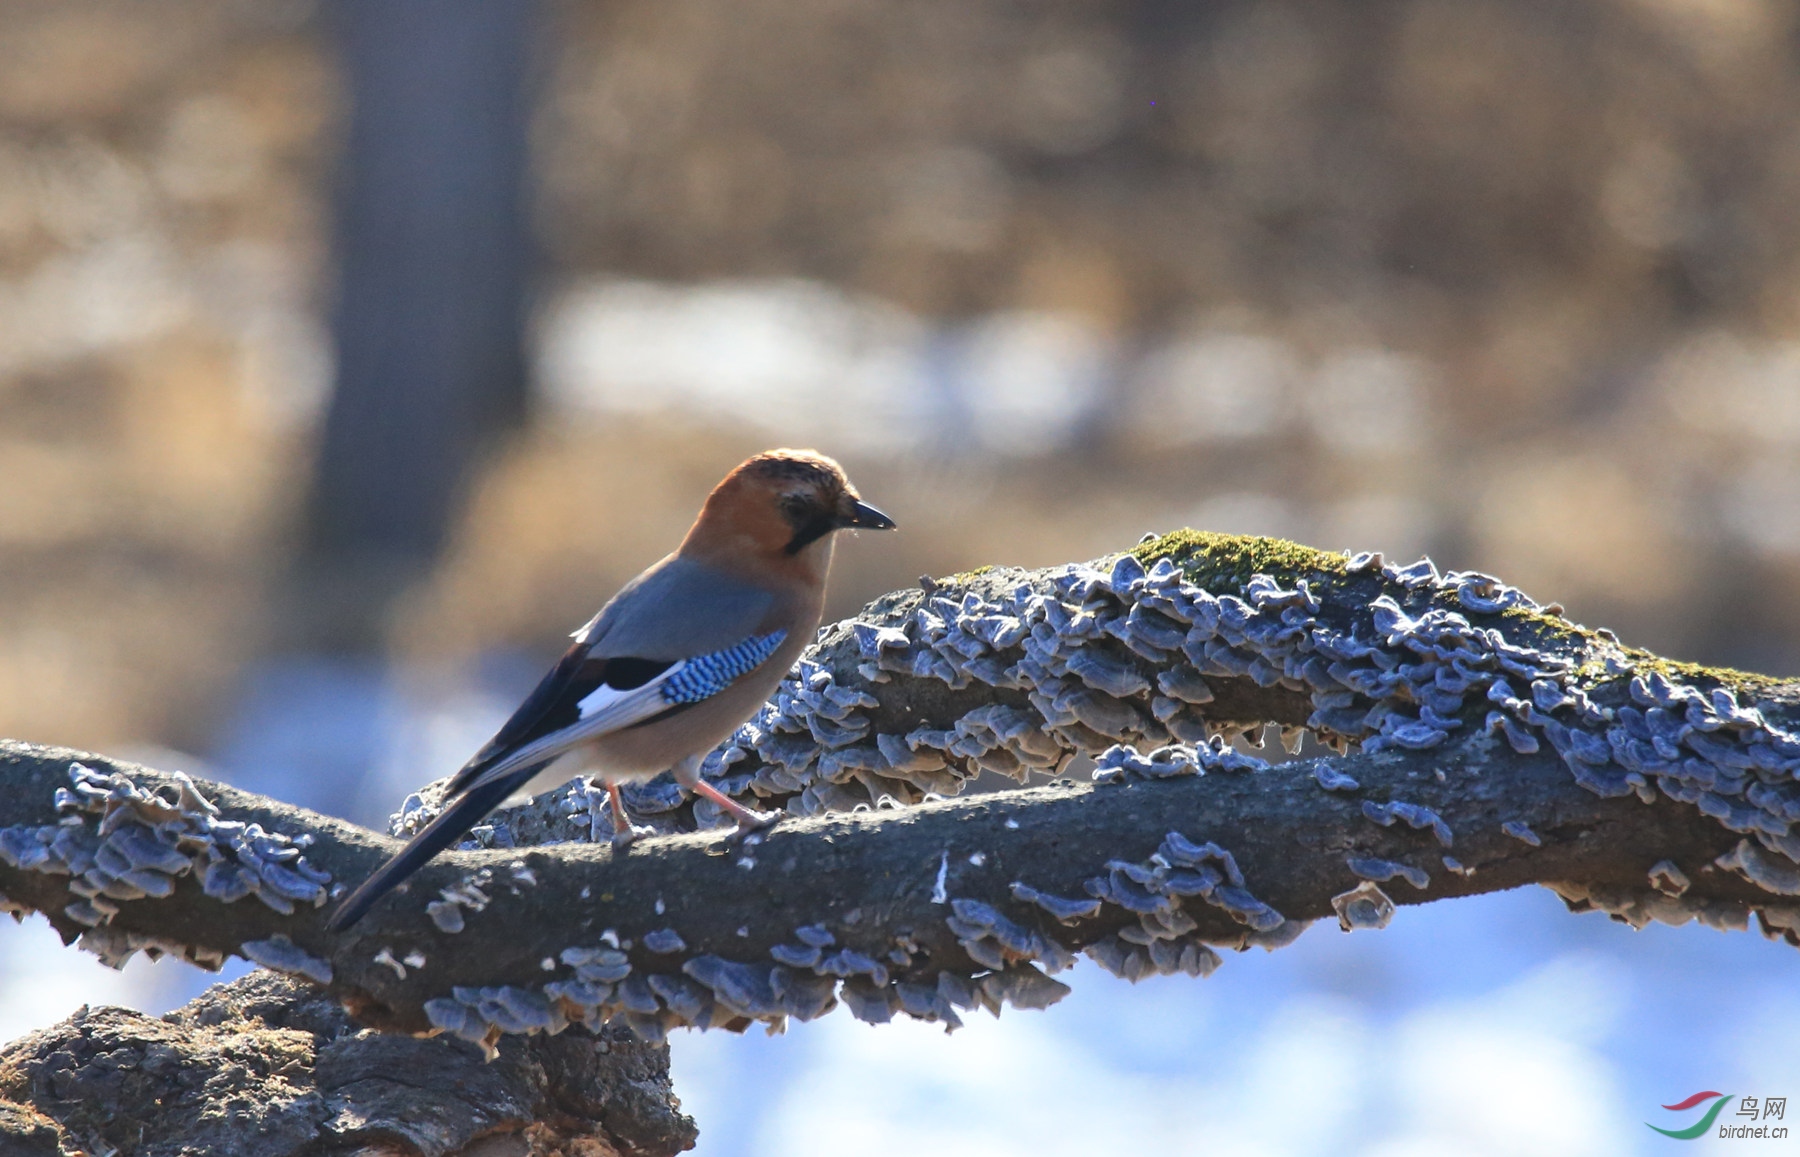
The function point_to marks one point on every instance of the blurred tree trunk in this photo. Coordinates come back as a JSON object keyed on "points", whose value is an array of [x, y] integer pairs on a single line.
{"points": [[432, 253]]}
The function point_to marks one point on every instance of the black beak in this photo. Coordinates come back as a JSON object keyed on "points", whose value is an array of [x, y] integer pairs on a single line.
{"points": [[867, 517]]}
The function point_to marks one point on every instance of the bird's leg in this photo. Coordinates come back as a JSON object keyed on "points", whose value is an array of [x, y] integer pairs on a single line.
{"points": [[687, 774], [624, 834]]}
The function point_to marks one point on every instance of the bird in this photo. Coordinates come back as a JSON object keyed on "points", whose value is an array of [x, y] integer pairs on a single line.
{"points": [[673, 663]]}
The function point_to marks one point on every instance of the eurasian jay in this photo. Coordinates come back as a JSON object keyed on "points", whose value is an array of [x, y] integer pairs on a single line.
{"points": [[679, 658]]}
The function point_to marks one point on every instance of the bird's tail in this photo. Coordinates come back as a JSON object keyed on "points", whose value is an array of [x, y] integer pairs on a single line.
{"points": [[449, 827]]}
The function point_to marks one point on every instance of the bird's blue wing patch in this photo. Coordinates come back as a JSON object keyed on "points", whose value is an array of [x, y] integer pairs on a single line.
{"points": [[704, 676]]}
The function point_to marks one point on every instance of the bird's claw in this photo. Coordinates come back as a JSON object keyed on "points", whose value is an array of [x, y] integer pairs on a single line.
{"points": [[750, 829], [623, 838], [755, 821]]}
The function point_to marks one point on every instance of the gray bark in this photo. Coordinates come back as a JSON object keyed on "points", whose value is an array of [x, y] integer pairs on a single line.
{"points": [[270, 1067]]}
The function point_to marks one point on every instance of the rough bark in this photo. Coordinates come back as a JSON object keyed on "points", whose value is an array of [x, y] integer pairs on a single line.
{"points": [[270, 1067]]}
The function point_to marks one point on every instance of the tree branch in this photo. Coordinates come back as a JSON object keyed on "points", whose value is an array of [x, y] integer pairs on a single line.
{"points": [[270, 1067], [1496, 746]]}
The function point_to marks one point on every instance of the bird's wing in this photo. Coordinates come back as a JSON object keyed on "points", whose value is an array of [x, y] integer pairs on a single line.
{"points": [[609, 708], [677, 611]]}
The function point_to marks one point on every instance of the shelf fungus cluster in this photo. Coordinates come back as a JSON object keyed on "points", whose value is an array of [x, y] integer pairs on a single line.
{"points": [[1081, 659], [597, 984], [1164, 938], [119, 842]]}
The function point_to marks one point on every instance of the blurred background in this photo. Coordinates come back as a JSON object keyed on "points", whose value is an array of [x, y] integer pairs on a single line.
{"points": [[352, 354]]}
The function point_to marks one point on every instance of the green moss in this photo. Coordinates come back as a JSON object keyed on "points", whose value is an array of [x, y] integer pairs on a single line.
{"points": [[966, 577], [1677, 671], [1226, 561], [1552, 633], [1540, 629]]}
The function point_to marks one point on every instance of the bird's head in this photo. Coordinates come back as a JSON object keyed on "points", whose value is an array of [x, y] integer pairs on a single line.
{"points": [[781, 504]]}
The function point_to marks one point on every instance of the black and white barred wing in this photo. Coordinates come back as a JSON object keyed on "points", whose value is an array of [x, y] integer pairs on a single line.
{"points": [[609, 708]]}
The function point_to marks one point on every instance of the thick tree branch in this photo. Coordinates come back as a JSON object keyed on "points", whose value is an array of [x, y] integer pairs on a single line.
{"points": [[1499, 746], [270, 1067]]}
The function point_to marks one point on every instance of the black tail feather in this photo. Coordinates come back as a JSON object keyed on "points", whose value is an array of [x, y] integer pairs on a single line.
{"points": [[449, 827]]}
